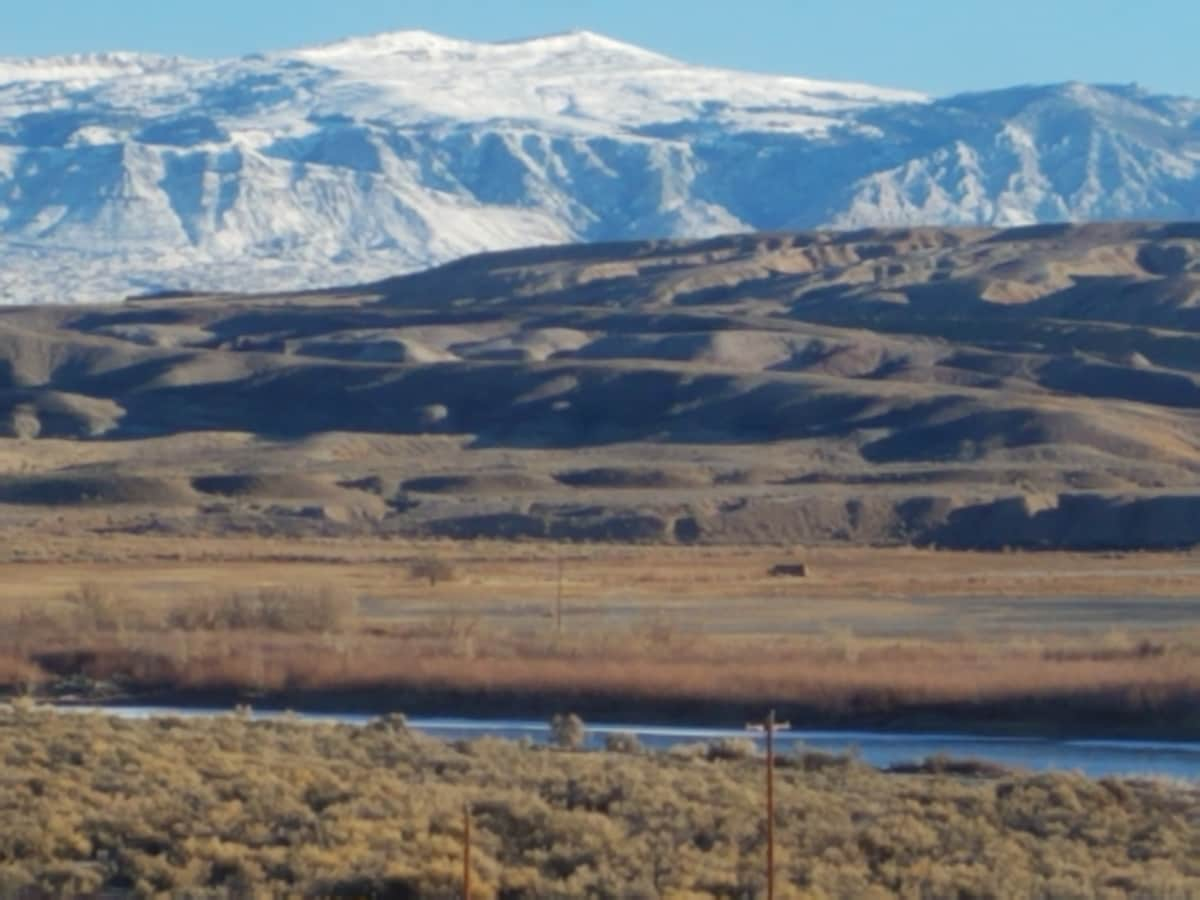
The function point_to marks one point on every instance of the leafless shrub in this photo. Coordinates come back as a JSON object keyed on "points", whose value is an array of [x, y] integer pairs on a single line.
{"points": [[1114, 645], [941, 764], [94, 609], [395, 723], [815, 760], [567, 731], [622, 742], [433, 569], [844, 644], [270, 609], [17, 673], [729, 749]]}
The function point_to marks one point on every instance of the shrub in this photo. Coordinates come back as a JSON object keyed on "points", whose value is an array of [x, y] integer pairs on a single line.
{"points": [[16, 672], [816, 760], [99, 806], [433, 569], [271, 609], [729, 748], [395, 723], [843, 643], [567, 732], [941, 764], [93, 609], [622, 742]]}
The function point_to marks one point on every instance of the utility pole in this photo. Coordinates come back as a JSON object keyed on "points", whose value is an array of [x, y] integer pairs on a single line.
{"points": [[770, 726], [558, 596], [466, 851]]}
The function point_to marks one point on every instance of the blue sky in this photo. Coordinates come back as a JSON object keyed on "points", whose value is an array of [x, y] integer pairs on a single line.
{"points": [[939, 46]]}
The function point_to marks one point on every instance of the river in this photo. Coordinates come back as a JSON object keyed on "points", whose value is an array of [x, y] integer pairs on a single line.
{"points": [[1095, 758]]}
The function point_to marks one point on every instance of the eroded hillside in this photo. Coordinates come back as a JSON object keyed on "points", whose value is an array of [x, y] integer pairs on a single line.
{"points": [[1033, 387]]}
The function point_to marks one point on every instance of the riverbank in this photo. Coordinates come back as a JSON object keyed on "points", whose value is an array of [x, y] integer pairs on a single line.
{"points": [[1095, 718], [1135, 689], [894, 751], [1045, 644], [95, 804]]}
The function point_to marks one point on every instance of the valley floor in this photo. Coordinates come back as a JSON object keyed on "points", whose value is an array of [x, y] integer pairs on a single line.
{"points": [[1101, 645]]}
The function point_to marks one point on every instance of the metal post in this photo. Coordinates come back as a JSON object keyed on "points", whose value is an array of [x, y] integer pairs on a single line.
{"points": [[770, 726], [466, 851]]}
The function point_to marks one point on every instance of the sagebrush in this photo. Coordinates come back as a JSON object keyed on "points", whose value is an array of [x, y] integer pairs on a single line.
{"points": [[231, 806]]}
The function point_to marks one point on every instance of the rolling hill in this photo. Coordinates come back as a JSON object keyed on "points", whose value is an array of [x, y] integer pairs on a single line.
{"points": [[1037, 386]]}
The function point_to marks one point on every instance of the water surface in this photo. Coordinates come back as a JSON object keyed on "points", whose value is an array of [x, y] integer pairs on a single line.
{"points": [[1096, 758]]}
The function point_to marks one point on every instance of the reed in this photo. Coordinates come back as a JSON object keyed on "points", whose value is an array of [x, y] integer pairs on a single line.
{"points": [[309, 642]]}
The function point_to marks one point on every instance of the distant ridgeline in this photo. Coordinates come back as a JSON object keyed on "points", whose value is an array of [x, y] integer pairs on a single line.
{"points": [[369, 157]]}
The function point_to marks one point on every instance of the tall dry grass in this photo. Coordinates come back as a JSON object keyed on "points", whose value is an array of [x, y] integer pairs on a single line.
{"points": [[311, 640], [874, 684], [18, 673], [319, 610]]}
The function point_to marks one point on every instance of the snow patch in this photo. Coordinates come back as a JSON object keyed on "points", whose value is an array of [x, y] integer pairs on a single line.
{"points": [[356, 160]]}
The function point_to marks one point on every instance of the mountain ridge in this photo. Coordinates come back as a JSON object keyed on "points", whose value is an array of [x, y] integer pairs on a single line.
{"points": [[124, 173], [417, 39]]}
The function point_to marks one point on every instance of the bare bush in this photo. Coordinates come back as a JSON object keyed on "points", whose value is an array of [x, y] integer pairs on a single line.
{"points": [[17, 673], [815, 760], [394, 723], [941, 764], [94, 609], [433, 569], [622, 742], [567, 731], [728, 749], [271, 609]]}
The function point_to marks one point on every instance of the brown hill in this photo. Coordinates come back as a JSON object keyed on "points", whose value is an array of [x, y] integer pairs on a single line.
{"points": [[1039, 386]]}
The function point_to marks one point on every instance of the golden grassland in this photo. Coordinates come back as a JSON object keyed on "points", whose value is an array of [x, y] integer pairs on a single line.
{"points": [[1107, 644], [229, 806], [40, 559]]}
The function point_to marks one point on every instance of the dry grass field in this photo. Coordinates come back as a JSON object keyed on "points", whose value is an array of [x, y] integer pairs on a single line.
{"points": [[1106, 644], [230, 807]]}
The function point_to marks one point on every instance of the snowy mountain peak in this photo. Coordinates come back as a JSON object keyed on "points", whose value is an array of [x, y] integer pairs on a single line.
{"points": [[125, 173], [84, 67], [585, 42], [574, 49], [383, 44]]}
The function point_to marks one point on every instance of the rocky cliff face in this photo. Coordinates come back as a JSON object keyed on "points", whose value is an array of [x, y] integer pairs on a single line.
{"points": [[123, 173]]}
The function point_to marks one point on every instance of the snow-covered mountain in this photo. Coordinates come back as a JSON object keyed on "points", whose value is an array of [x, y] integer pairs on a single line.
{"points": [[125, 173]]}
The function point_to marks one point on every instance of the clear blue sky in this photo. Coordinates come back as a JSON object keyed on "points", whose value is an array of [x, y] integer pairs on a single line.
{"points": [[939, 46]]}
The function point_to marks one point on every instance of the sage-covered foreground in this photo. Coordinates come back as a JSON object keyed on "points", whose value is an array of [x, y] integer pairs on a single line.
{"points": [[230, 806]]}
